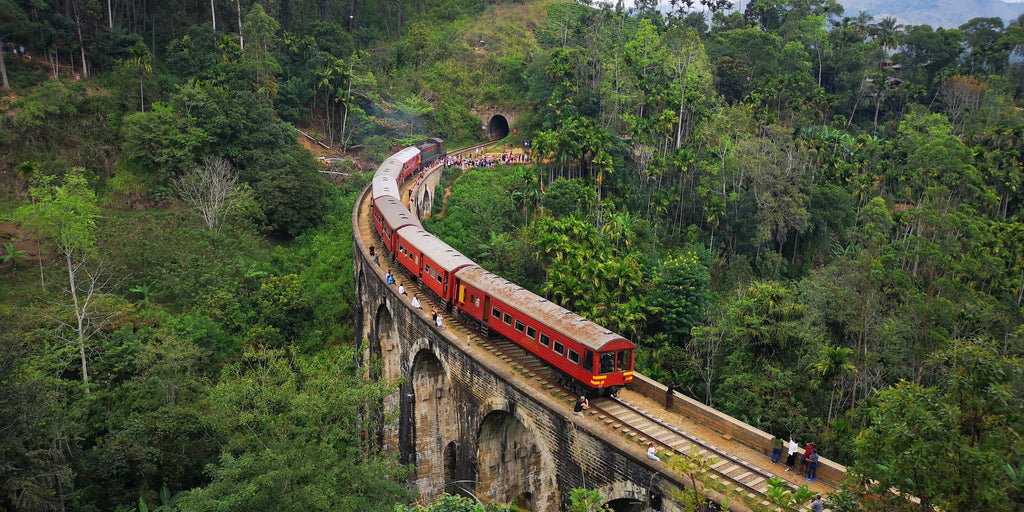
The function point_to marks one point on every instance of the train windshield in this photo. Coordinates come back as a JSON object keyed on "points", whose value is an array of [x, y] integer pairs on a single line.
{"points": [[625, 360], [617, 361]]}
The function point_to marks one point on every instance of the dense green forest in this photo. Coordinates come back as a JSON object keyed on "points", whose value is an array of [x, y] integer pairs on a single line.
{"points": [[809, 219]]}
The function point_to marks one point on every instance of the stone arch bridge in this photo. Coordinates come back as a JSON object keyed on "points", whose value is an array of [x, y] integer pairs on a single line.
{"points": [[470, 422]]}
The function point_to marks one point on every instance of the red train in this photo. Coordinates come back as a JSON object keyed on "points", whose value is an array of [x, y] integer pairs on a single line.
{"points": [[589, 357]]}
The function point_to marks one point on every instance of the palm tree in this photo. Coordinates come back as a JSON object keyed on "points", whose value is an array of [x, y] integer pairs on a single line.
{"points": [[140, 62], [888, 33], [862, 24], [834, 363]]}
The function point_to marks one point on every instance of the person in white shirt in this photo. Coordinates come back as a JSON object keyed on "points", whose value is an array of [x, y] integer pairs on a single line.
{"points": [[416, 303], [652, 452], [401, 289], [440, 322], [791, 458]]}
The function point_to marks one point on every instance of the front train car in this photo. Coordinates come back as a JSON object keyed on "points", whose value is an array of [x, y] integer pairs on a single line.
{"points": [[590, 357]]}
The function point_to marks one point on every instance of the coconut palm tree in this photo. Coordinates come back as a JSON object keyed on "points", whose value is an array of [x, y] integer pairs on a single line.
{"points": [[141, 62], [833, 364]]}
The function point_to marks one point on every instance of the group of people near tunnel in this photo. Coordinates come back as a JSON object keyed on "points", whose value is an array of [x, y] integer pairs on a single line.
{"points": [[466, 162], [485, 160]]}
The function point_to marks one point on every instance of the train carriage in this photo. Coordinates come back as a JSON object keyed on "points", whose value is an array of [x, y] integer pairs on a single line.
{"points": [[398, 167], [384, 186], [431, 261], [588, 353], [389, 216]]}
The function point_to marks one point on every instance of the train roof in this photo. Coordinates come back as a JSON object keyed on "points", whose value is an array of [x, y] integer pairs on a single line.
{"points": [[557, 318], [394, 213], [384, 186], [406, 154], [444, 255]]}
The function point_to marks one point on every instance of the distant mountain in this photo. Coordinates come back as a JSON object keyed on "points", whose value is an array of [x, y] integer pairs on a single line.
{"points": [[937, 13]]}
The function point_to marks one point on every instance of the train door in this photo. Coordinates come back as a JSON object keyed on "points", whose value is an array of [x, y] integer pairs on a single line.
{"points": [[485, 316]]}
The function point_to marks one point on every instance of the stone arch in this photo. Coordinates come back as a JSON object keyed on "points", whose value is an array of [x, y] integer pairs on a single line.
{"points": [[383, 339], [451, 466], [424, 203], [626, 496], [497, 127], [512, 464], [430, 409], [524, 501], [626, 505]]}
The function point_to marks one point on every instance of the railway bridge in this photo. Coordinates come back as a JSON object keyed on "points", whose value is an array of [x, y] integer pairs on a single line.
{"points": [[473, 417]]}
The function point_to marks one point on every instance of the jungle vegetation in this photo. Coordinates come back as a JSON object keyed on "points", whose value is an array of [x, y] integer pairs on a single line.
{"points": [[809, 218]]}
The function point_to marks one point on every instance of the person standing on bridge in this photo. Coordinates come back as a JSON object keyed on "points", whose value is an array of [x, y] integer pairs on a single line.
{"points": [[812, 467], [806, 456], [670, 393], [791, 458], [776, 449]]}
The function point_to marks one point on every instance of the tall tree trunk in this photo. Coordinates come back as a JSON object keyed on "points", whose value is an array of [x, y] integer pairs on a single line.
{"points": [[351, 15], [213, 15], [110, 15], [241, 40], [79, 319], [3, 69]]}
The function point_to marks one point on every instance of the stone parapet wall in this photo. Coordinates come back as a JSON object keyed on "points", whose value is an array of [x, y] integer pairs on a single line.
{"points": [[828, 471]]}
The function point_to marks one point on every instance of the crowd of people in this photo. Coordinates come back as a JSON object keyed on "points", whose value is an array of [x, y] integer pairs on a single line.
{"points": [[464, 162]]}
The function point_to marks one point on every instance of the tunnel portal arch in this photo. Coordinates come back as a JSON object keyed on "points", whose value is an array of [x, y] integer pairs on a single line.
{"points": [[497, 128]]}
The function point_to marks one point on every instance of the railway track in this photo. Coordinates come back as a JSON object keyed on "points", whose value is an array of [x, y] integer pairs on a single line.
{"points": [[631, 421], [625, 419]]}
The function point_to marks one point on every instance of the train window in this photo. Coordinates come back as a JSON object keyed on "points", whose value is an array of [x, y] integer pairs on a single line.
{"points": [[607, 363], [507, 318], [588, 360], [519, 326], [573, 356], [625, 360], [427, 269], [544, 340], [559, 348], [495, 312], [531, 332], [476, 301]]}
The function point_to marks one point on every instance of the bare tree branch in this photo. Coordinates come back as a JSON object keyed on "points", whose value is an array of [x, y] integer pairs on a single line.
{"points": [[213, 190]]}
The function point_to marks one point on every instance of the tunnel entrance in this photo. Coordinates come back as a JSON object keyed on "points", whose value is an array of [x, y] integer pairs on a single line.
{"points": [[626, 505], [497, 128]]}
